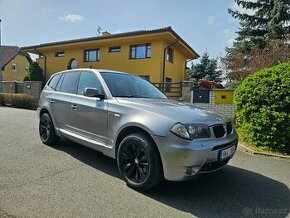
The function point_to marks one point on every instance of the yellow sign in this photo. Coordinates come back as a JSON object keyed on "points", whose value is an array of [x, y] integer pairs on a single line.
{"points": [[223, 96]]}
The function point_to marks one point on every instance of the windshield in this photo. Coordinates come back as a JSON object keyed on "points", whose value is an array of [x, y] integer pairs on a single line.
{"points": [[130, 86]]}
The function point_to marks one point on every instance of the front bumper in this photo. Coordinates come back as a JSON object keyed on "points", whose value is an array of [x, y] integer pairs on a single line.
{"points": [[184, 159]]}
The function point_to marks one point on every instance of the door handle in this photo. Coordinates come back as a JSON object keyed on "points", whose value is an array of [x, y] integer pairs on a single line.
{"points": [[74, 106]]}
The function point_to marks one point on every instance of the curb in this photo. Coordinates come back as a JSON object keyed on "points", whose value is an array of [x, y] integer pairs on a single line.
{"points": [[254, 152]]}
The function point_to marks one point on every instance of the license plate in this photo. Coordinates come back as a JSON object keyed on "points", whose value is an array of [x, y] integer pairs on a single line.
{"points": [[227, 152]]}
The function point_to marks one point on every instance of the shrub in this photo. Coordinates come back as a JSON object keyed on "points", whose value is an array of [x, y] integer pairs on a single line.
{"points": [[35, 73], [2, 101], [18, 101], [262, 104]]}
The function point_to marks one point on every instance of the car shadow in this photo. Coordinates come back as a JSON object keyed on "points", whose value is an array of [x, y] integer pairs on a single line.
{"points": [[230, 192], [90, 157]]}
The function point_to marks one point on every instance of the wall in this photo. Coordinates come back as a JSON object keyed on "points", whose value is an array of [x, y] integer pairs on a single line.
{"points": [[18, 75], [186, 91], [119, 61], [175, 70], [32, 88], [9, 87], [217, 103]]}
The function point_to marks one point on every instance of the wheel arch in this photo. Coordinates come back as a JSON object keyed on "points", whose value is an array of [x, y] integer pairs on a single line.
{"points": [[135, 129], [43, 111]]}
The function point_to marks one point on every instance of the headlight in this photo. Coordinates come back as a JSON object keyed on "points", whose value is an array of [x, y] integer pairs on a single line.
{"points": [[191, 131]]}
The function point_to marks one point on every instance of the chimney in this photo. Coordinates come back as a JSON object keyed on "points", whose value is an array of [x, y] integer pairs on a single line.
{"points": [[106, 33]]}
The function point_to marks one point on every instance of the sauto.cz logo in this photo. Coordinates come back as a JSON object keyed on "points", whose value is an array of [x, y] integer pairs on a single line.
{"points": [[247, 211]]}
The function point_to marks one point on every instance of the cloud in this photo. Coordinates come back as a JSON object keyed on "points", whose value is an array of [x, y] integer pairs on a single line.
{"points": [[240, 9], [232, 19], [72, 18], [227, 32], [211, 20], [229, 36], [230, 42], [235, 7]]}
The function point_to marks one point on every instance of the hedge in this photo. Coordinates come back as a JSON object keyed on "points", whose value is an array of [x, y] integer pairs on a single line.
{"points": [[262, 104], [18, 101]]}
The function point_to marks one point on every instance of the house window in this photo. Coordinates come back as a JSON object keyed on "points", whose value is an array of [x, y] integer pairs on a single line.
{"points": [[14, 67], [92, 55], [59, 54], [115, 49], [140, 51], [27, 69], [169, 55], [168, 84]]}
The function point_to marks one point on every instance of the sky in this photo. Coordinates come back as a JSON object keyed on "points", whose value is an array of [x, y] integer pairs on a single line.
{"points": [[204, 24]]}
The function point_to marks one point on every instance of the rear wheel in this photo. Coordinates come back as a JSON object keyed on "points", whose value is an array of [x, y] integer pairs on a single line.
{"points": [[47, 131], [139, 162]]}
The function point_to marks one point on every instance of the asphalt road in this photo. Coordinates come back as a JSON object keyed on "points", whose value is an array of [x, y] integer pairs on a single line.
{"points": [[74, 181]]}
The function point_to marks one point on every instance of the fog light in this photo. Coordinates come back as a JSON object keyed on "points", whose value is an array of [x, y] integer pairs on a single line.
{"points": [[188, 171]]}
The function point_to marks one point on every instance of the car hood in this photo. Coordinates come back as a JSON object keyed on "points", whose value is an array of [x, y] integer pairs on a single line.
{"points": [[177, 111]]}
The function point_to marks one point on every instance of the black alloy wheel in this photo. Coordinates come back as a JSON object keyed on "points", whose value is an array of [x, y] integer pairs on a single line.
{"points": [[135, 162], [139, 162], [46, 130]]}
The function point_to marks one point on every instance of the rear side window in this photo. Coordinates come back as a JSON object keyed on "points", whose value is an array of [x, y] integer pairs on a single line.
{"points": [[53, 82], [69, 82], [58, 86]]}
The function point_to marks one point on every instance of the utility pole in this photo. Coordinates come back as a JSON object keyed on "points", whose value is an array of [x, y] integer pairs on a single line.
{"points": [[0, 60]]}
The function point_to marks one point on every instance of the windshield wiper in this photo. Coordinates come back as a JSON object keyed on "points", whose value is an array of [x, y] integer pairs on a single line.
{"points": [[128, 96]]}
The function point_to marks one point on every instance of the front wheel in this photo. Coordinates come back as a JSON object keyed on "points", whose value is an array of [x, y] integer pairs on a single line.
{"points": [[47, 131], [139, 162]]}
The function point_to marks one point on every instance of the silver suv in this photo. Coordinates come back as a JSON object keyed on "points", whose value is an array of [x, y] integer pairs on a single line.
{"points": [[128, 118]]}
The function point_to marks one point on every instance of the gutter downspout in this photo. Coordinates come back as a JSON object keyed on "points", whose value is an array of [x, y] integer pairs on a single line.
{"points": [[163, 68], [44, 70]]}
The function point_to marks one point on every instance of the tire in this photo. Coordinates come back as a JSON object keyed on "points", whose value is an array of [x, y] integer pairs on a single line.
{"points": [[139, 162], [47, 131]]}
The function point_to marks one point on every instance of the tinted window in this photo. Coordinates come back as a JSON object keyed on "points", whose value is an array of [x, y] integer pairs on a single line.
{"points": [[53, 82], [69, 82], [88, 80], [130, 86], [59, 83]]}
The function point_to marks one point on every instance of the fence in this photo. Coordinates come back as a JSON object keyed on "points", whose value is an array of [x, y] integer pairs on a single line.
{"points": [[172, 90], [217, 100], [32, 88]]}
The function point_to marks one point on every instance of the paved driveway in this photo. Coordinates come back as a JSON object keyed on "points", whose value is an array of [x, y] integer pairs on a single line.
{"points": [[74, 181]]}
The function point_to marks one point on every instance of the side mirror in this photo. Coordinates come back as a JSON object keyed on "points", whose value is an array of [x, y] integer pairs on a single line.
{"points": [[91, 92]]}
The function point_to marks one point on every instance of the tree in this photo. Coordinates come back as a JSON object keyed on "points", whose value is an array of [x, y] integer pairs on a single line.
{"points": [[35, 73], [241, 65], [206, 69], [270, 21], [263, 38]]}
